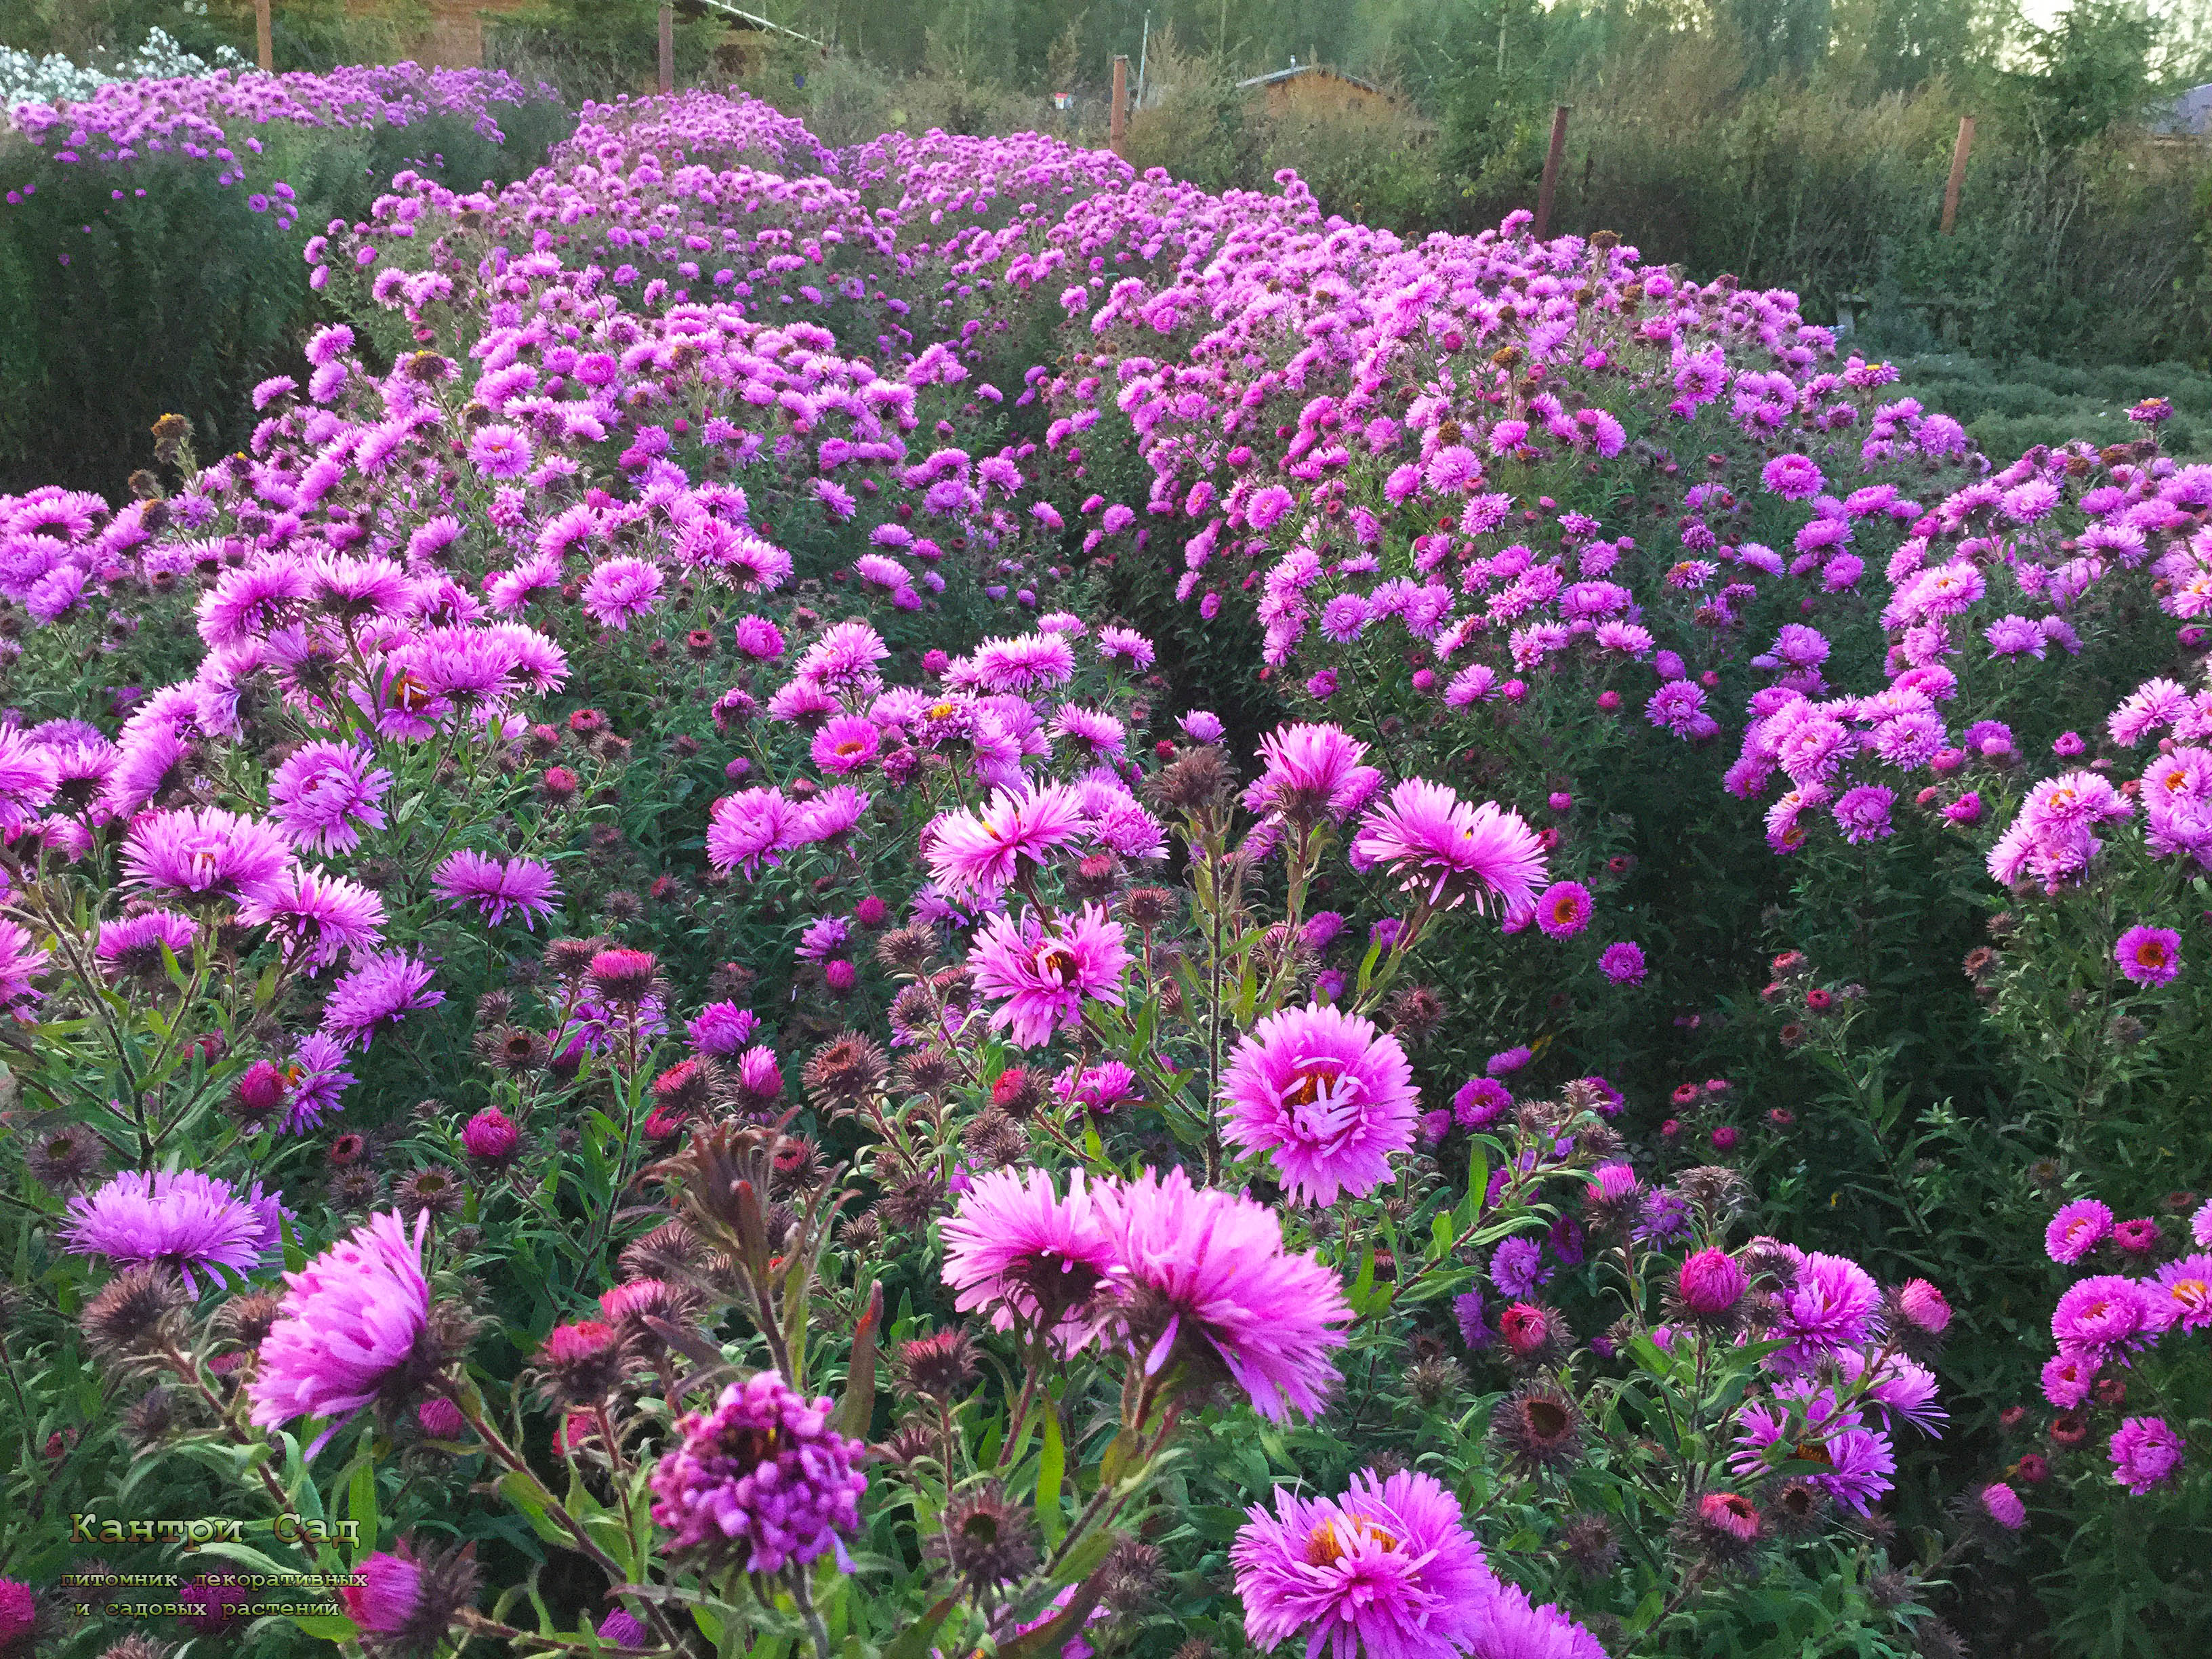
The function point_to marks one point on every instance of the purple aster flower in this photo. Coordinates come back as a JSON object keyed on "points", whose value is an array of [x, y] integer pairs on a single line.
{"points": [[133, 945], [2077, 1230], [1044, 975], [2106, 1317], [2145, 1452], [1863, 814], [206, 854], [1517, 1267], [762, 1480], [1325, 1095], [1473, 1328], [377, 995], [319, 917], [1622, 962], [1016, 1246], [1833, 1304], [2149, 956], [620, 588], [496, 887], [317, 1077], [1207, 1287], [351, 1321], [1387, 1570], [187, 1219], [322, 791]]}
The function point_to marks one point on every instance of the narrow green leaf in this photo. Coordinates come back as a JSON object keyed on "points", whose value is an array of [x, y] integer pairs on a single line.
{"points": [[1052, 1464]]}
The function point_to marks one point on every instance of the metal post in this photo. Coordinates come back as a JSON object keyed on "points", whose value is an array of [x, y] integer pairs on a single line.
{"points": [[1959, 153], [265, 39], [1551, 160], [668, 48], [1117, 121], [1143, 49]]}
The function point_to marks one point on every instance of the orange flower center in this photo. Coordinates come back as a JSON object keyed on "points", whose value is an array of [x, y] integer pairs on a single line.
{"points": [[1325, 1548]]}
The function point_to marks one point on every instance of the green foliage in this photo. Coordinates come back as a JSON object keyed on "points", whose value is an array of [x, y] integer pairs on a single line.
{"points": [[127, 293]]}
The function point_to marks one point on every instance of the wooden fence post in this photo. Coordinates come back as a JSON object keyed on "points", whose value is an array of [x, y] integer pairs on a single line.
{"points": [[264, 39], [1959, 153], [1551, 160], [668, 48], [1117, 121]]}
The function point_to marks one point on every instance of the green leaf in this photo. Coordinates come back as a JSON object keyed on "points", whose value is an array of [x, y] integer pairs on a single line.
{"points": [[361, 1499], [912, 1642], [327, 1626], [1442, 1235], [524, 1492], [1052, 1464]]}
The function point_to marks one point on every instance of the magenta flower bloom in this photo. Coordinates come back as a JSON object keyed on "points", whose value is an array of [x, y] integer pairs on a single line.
{"points": [[2077, 1230], [2188, 1286], [1565, 910], [349, 1320], [133, 945], [762, 1479], [2002, 1505], [1018, 1247], [2106, 1317], [490, 1136], [1863, 814], [1622, 962], [205, 853], [620, 588], [1833, 1305], [2145, 1453], [187, 1219], [2149, 956], [377, 994], [1507, 1625], [1325, 1095], [1711, 1282], [496, 887], [319, 917], [980, 851], [500, 452], [844, 743], [1207, 1285], [1432, 839], [1045, 975], [30, 773], [322, 792], [1388, 1571], [1311, 771], [1793, 478]]}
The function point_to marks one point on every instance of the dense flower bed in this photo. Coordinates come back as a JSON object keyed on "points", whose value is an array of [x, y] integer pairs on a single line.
{"points": [[663, 950]]}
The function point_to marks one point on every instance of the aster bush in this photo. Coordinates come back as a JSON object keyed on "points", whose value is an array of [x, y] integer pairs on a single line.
{"points": [[929, 898]]}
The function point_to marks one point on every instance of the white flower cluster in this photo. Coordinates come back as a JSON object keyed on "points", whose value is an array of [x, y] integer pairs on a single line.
{"points": [[57, 79]]}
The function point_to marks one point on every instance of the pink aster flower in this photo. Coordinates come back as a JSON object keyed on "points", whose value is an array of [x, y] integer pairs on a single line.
{"points": [[187, 1219], [319, 917], [2188, 1286], [1311, 771], [1388, 1571], [1565, 910], [377, 995], [2149, 956], [500, 452], [2106, 1317], [1432, 839], [761, 1479], [205, 853], [496, 887], [844, 743], [133, 945], [2077, 1230], [1325, 1095], [322, 792], [1622, 962], [1833, 1305], [620, 588], [981, 850], [2145, 1452], [1044, 975], [348, 1321], [1208, 1289], [1015, 1246]]}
